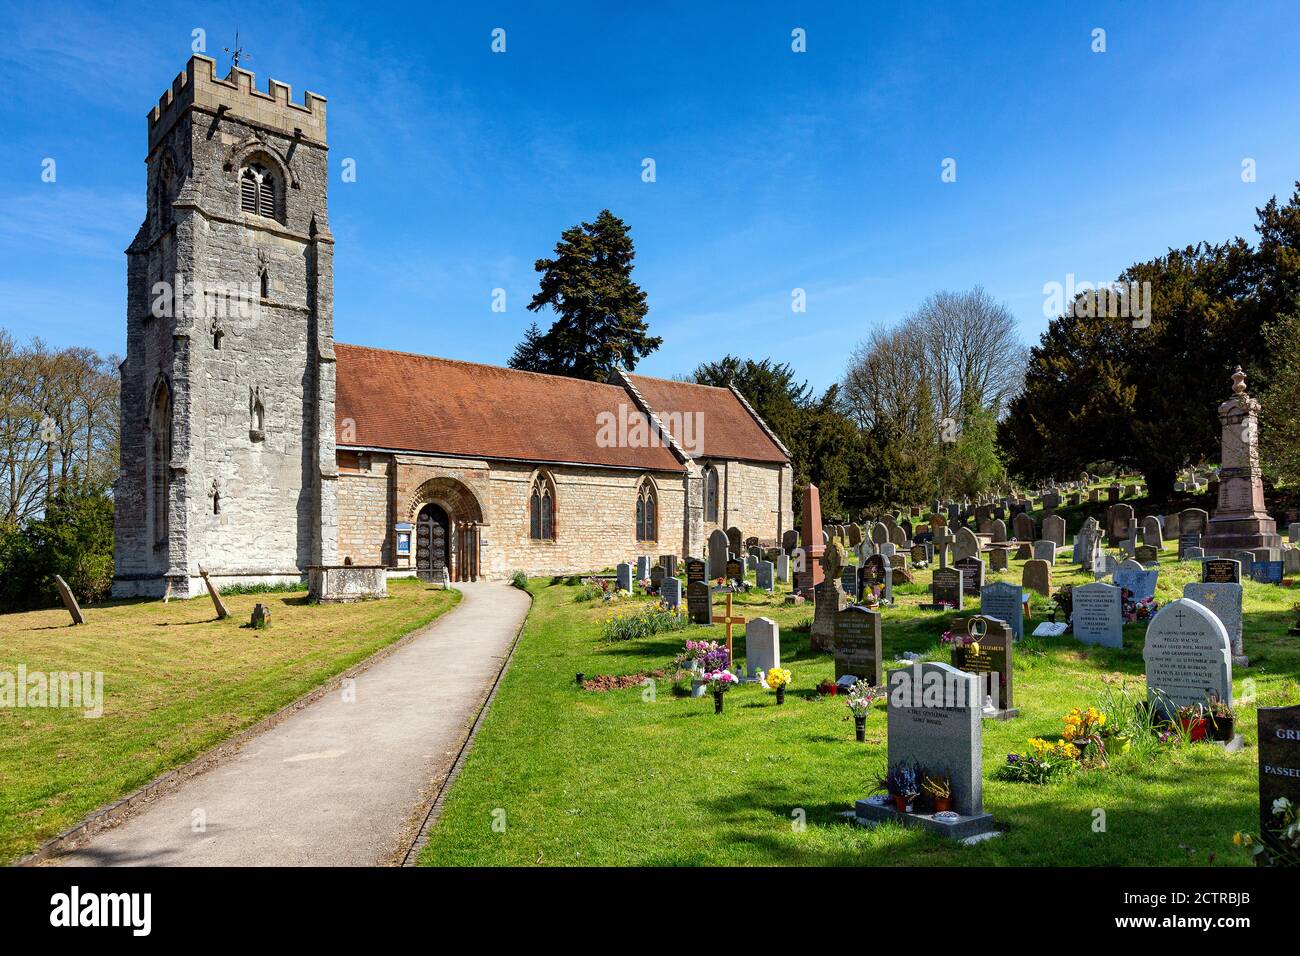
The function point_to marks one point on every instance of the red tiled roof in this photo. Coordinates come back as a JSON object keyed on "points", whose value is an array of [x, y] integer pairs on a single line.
{"points": [[410, 402], [726, 427]]}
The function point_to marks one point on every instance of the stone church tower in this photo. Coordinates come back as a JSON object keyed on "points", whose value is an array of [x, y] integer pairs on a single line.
{"points": [[228, 433]]}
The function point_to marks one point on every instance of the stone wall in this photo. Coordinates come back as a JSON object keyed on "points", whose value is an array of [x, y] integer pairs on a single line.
{"points": [[365, 509], [754, 497]]}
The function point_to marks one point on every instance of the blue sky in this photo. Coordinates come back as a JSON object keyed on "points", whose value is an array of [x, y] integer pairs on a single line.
{"points": [[775, 170]]}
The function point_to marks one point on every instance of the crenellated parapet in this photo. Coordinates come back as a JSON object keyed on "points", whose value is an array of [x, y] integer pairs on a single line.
{"points": [[236, 96]]}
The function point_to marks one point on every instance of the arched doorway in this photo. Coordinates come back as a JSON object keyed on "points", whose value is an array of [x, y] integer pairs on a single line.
{"points": [[432, 543], [448, 516]]}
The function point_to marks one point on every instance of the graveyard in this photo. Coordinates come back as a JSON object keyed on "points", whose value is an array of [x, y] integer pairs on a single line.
{"points": [[640, 775]]}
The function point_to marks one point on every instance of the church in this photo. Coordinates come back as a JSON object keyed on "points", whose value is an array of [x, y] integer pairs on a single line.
{"points": [[254, 448]]}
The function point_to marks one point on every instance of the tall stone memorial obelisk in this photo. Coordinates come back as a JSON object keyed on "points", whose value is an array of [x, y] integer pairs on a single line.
{"points": [[1240, 522], [810, 534]]}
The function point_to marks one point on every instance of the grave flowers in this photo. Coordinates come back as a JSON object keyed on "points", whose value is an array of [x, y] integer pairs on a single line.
{"points": [[861, 696], [902, 782], [719, 683], [1142, 610], [1222, 719], [938, 788], [1191, 721], [1043, 762], [1284, 849], [778, 678]]}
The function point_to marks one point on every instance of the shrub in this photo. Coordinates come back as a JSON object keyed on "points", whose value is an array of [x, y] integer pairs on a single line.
{"points": [[74, 539], [283, 587], [519, 579]]}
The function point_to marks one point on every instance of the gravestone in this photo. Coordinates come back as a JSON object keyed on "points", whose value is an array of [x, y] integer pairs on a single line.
{"points": [[934, 720], [215, 594], [829, 600], [1193, 520], [1220, 571], [783, 568], [999, 530], [972, 572], [1293, 532], [1224, 601], [946, 586], [1186, 542], [1152, 533], [669, 563], [1045, 550], [1266, 572], [1054, 530], [657, 575], [876, 573], [991, 658], [74, 609], [810, 575], [261, 616], [1037, 576], [699, 602], [920, 554], [670, 592], [762, 645], [624, 576], [763, 576], [1003, 601], [1279, 762], [642, 568], [1147, 555], [696, 570], [1140, 581], [966, 545], [849, 581], [718, 547], [1119, 524], [734, 571], [1188, 656], [1025, 551], [998, 559], [857, 644], [1240, 520], [1022, 526], [1098, 615], [735, 541]]}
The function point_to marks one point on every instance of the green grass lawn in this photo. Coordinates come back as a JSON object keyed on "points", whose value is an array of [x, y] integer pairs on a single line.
{"points": [[615, 778], [176, 683]]}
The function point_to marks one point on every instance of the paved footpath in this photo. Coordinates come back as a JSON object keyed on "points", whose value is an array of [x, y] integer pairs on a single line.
{"points": [[337, 783]]}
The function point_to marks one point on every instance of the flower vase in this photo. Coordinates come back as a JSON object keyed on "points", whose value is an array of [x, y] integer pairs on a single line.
{"points": [[901, 803], [717, 701], [860, 727], [1221, 729], [780, 695], [942, 804]]}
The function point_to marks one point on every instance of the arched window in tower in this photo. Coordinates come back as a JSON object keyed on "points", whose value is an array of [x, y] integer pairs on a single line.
{"points": [[258, 190], [265, 283], [710, 493], [541, 509], [166, 188], [646, 512], [256, 414], [160, 456]]}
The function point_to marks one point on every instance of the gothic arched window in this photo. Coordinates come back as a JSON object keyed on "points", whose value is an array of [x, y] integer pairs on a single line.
{"points": [[647, 528], [258, 190], [160, 456], [541, 509], [710, 493]]}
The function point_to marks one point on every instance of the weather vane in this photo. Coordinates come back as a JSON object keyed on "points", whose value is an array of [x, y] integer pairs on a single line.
{"points": [[238, 52]]}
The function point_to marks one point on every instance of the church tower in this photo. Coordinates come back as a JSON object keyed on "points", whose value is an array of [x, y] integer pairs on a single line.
{"points": [[227, 444]]}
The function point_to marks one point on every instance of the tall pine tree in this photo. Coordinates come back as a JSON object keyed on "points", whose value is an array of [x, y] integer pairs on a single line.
{"points": [[600, 311]]}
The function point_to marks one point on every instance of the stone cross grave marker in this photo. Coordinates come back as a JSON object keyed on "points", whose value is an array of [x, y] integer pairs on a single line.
{"points": [[728, 619], [217, 603]]}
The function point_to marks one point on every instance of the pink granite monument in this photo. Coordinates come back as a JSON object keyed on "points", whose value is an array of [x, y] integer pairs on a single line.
{"points": [[1240, 522]]}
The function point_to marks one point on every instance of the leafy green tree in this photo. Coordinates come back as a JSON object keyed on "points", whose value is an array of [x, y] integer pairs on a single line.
{"points": [[73, 538], [601, 311]]}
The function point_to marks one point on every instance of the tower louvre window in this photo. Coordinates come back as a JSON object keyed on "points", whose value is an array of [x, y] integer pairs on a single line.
{"points": [[257, 188]]}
